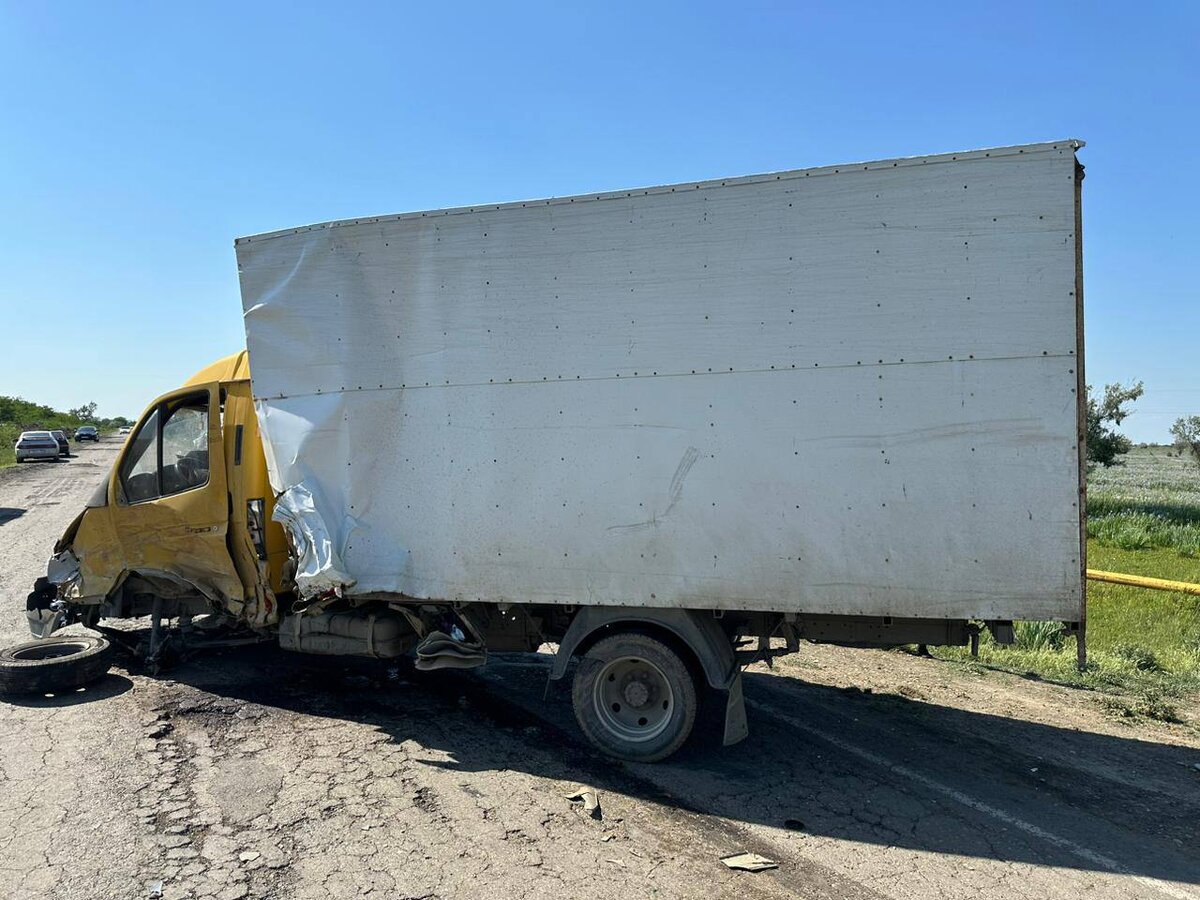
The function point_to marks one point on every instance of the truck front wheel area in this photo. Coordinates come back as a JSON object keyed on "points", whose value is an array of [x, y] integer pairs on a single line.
{"points": [[634, 697]]}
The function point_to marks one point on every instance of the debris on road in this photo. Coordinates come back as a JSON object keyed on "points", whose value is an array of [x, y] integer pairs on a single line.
{"points": [[749, 862], [591, 801]]}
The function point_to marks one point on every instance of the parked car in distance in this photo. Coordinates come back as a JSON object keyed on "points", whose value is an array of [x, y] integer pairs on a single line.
{"points": [[37, 445], [124, 429], [64, 445], [87, 433]]}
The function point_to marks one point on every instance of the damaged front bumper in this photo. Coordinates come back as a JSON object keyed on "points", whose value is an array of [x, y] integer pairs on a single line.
{"points": [[46, 607]]}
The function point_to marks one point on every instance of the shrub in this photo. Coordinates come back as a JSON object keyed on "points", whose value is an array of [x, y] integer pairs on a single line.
{"points": [[1039, 635], [1150, 704], [1139, 657], [1153, 705]]}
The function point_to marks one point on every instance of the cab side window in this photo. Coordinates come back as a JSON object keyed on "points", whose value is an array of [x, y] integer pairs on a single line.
{"points": [[169, 453], [139, 471]]}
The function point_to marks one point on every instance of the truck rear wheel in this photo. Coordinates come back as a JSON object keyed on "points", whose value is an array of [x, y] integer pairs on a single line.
{"points": [[53, 665], [634, 698]]}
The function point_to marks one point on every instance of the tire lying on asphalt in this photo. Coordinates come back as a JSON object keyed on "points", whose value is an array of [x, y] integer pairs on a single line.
{"points": [[53, 665], [634, 697]]}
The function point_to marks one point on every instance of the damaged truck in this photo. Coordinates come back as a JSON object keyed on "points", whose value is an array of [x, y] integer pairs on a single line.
{"points": [[666, 431]]}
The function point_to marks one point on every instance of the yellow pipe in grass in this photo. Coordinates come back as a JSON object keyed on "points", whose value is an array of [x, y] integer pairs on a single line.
{"points": [[1157, 584]]}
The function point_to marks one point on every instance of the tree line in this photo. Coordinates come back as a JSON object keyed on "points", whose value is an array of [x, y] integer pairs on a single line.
{"points": [[22, 415]]}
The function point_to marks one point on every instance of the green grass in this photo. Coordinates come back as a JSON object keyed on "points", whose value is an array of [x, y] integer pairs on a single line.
{"points": [[1150, 704], [8, 437]]}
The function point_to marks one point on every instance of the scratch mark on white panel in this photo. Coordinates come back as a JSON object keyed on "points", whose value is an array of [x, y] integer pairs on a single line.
{"points": [[674, 493]]}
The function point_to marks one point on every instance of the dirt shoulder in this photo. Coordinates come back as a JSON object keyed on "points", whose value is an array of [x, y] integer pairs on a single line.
{"points": [[987, 690]]}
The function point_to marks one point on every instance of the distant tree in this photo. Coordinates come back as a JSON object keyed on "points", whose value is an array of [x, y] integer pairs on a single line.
{"points": [[1104, 442], [84, 413], [1186, 432]]}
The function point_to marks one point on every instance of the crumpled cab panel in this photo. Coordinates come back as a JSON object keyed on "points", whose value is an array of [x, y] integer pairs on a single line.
{"points": [[185, 512]]}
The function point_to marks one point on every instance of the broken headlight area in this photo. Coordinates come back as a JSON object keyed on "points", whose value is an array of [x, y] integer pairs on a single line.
{"points": [[46, 605], [43, 608]]}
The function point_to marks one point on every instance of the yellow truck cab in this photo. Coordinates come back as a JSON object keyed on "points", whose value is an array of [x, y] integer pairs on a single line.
{"points": [[182, 524]]}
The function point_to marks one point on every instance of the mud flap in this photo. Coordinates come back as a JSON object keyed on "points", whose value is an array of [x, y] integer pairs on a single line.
{"points": [[736, 726]]}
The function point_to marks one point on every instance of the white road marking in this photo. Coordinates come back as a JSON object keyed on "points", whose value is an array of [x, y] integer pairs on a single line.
{"points": [[1086, 853]]}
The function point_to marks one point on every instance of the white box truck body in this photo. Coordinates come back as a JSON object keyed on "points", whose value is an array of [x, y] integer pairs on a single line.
{"points": [[845, 391]]}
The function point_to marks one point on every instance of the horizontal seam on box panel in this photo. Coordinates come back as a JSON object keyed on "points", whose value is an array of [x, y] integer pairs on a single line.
{"points": [[562, 379]]}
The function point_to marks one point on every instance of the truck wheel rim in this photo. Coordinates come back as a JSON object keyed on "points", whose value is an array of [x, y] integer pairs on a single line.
{"points": [[50, 651], [633, 699]]}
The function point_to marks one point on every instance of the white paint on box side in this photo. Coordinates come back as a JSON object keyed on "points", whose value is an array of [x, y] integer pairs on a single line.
{"points": [[847, 395]]}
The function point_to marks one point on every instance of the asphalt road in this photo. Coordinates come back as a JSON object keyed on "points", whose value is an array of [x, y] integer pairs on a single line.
{"points": [[255, 773]]}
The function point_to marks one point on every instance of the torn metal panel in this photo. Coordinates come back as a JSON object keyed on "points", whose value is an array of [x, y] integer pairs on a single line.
{"points": [[318, 566], [63, 568], [257, 543]]}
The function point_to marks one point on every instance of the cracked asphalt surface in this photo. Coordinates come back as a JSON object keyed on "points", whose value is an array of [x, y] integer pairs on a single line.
{"points": [[257, 773]]}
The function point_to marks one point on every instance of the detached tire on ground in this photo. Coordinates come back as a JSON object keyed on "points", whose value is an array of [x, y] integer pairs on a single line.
{"points": [[634, 697], [53, 665]]}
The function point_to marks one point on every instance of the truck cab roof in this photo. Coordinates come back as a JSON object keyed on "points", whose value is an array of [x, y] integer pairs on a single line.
{"points": [[235, 367]]}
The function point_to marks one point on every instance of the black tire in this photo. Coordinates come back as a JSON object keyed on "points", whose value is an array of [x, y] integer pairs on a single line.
{"points": [[667, 695], [53, 665]]}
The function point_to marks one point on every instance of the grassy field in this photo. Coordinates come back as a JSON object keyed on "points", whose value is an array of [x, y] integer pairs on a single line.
{"points": [[1150, 501], [1144, 519]]}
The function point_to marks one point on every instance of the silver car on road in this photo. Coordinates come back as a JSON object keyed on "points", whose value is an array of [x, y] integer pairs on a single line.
{"points": [[36, 445]]}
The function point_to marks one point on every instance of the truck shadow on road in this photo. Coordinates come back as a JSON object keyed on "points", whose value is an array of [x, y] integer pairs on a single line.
{"points": [[111, 685], [820, 762]]}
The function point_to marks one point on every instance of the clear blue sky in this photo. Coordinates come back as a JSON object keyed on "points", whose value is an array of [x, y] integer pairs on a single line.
{"points": [[137, 141]]}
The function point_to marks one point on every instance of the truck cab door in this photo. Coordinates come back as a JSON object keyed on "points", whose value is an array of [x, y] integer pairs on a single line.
{"points": [[169, 498]]}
